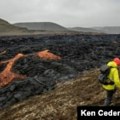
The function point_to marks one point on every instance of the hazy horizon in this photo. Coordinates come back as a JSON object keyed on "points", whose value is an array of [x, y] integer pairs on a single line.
{"points": [[77, 13]]}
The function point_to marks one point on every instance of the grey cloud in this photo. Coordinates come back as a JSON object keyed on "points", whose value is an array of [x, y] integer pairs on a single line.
{"points": [[65, 12]]}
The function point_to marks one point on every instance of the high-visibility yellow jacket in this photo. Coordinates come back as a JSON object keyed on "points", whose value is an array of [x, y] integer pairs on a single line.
{"points": [[114, 76]]}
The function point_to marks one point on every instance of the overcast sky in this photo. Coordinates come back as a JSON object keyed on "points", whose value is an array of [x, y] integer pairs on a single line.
{"points": [[69, 13]]}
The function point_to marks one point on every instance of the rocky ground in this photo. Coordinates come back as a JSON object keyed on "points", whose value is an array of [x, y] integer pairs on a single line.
{"points": [[61, 103], [57, 85]]}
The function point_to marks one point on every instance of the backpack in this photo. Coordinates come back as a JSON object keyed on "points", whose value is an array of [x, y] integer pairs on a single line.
{"points": [[103, 76]]}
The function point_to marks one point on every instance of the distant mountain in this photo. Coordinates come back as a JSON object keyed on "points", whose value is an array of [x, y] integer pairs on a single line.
{"points": [[109, 29], [82, 29], [106, 30], [44, 26], [7, 27]]}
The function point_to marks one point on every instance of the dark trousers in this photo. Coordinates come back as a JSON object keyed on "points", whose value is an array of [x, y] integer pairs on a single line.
{"points": [[108, 99]]}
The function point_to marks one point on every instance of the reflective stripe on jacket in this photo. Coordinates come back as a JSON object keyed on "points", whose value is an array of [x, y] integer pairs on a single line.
{"points": [[114, 76]]}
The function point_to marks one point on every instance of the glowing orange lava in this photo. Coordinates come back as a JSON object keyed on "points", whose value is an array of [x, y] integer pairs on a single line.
{"points": [[48, 55], [6, 76]]}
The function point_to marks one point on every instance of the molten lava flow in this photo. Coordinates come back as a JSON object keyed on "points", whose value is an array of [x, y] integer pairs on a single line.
{"points": [[47, 55], [6, 76]]}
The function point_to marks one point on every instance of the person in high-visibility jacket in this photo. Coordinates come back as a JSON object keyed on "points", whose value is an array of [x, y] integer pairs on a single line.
{"points": [[113, 76]]}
